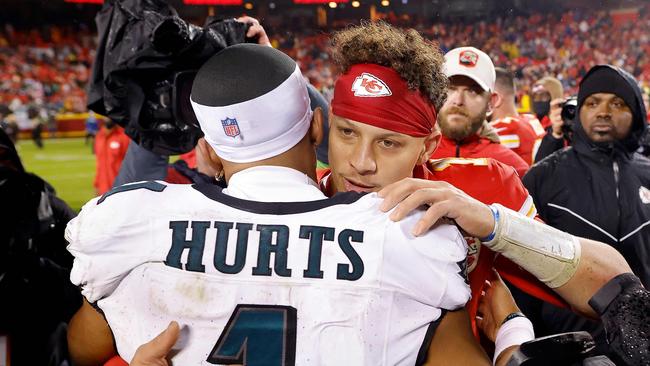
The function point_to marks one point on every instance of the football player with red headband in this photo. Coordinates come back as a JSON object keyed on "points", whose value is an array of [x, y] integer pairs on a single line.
{"points": [[382, 131]]}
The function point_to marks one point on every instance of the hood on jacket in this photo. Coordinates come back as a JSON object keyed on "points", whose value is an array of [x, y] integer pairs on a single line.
{"points": [[8, 155], [552, 85], [614, 80]]}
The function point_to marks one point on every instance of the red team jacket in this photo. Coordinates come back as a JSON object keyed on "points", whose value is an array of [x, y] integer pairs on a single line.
{"points": [[522, 134], [110, 149], [480, 147]]}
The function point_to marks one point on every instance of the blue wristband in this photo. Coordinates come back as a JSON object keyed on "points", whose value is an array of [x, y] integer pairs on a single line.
{"points": [[512, 316], [495, 214]]}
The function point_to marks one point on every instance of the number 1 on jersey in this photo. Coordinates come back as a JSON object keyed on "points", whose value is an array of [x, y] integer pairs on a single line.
{"points": [[257, 335]]}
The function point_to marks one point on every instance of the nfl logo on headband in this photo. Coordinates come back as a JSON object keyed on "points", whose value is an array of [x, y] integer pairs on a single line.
{"points": [[368, 85], [230, 127], [468, 58]]}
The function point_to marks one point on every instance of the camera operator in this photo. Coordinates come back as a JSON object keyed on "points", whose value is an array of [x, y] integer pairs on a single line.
{"points": [[37, 296], [597, 187], [560, 132], [142, 164]]}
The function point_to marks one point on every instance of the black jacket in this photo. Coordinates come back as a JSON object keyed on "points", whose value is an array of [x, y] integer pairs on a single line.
{"points": [[600, 192]]}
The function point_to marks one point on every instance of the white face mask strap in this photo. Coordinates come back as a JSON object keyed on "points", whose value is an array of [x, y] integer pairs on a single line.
{"points": [[547, 253]]}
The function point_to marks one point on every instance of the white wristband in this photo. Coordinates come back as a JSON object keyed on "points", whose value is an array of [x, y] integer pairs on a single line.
{"points": [[513, 333]]}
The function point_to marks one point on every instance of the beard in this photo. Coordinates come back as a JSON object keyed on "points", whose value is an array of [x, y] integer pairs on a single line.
{"points": [[461, 131]]}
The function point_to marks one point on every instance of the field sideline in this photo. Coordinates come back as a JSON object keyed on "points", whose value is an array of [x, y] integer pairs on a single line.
{"points": [[67, 164]]}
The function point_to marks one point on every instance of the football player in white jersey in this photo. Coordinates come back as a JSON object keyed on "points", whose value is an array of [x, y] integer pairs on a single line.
{"points": [[267, 271]]}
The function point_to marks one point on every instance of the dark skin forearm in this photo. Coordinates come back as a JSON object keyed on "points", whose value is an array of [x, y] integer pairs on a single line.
{"points": [[90, 341], [454, 343]]}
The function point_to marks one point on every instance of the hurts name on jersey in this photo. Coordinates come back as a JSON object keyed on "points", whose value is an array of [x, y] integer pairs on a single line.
{"points": [[273, 239]]}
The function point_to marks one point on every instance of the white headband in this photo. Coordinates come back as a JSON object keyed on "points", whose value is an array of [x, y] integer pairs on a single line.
{"points": [[259, 128]]}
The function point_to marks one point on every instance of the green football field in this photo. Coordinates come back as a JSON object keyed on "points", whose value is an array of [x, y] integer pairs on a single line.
{"points": [[67, 164]]}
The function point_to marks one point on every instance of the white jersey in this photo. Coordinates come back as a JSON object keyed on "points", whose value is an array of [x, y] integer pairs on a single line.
{"points": [[327, 282]]}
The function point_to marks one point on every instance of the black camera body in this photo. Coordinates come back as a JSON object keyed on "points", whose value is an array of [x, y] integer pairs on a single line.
{"points": [[569, 111], [146, 61]]}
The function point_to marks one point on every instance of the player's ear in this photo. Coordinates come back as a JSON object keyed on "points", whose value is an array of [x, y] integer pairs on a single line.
{"points": [[329, 120], [316, 128], [211, 157], [494, 101], [431, 143]]}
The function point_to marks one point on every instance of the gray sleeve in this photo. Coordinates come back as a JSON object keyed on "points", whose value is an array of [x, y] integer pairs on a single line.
{"points": [[317, 100], [141, 164]]}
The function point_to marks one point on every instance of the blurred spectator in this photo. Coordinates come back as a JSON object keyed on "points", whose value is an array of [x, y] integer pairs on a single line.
{"points": [[597, 188], [38, 124], [111, 144], [548, 99], [521, 133], [8, 124], [92, 126], [462, 118], [546, 91]]}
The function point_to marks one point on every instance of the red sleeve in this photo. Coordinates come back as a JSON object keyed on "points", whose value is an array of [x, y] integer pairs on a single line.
{"points": [[321, 173], [485, 179], [490, 181], [511, 158], [176, 177], [116, 361]]}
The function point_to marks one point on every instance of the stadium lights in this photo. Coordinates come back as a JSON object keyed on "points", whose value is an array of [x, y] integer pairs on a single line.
{"points": [[332, 4], [213, 2], [385, 2], [356, 4], [248, 6]]}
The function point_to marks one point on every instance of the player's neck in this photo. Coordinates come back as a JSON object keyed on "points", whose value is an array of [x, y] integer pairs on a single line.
{"points": [[504, 112], [301, 157]]}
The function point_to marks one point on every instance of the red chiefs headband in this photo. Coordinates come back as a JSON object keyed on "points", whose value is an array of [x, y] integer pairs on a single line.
{"points": [[378, 96]]}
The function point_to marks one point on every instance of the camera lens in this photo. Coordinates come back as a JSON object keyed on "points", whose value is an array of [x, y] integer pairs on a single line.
{"points": [[569, 109]]}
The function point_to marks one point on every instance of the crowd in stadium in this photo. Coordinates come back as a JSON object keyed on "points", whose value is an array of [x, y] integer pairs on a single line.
{"points": [[463, 231], [562, 45], [50, 66]]}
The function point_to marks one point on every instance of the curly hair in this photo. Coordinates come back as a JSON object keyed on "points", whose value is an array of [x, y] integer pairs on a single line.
{"points": [[415, 59]]}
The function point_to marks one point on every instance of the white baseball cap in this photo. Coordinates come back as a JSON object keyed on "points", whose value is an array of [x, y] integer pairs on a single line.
{"points": [[473, 63]]}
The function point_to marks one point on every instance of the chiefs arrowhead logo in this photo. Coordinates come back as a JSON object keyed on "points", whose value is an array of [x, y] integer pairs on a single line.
{"points": [[468, 58], [368, 85]]}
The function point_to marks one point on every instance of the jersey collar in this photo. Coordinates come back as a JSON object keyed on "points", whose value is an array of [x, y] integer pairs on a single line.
{"points": [[272, 184]]}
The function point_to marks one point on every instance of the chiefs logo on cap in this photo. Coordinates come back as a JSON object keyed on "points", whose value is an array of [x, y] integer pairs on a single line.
{"points": [[468, 58], [368, 85]]}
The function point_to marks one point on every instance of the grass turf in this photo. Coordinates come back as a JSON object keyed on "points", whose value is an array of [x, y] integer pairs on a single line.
{"points": [[67, 164]]}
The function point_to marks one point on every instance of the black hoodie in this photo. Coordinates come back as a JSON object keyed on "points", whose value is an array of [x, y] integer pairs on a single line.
{"points": [[599, 191]]}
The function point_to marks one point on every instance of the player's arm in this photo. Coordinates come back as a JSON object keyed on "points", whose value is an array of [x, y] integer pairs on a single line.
{"points": [[90, 341], [588, 264], [454, 343]]}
